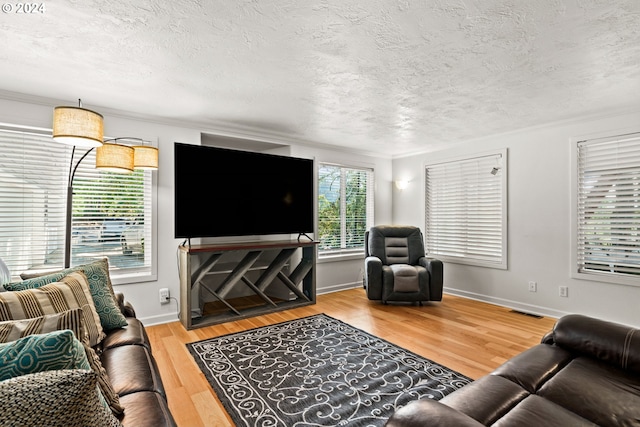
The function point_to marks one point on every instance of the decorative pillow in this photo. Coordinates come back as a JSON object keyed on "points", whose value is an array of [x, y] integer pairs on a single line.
{"points": [[72, 320], [71, 292], [63, 398], [106, 388], [37, 353], [100, 285]]}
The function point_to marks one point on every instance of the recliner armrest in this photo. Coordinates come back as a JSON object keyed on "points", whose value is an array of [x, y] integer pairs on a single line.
{"points": [[373, 277], [436, 276]]}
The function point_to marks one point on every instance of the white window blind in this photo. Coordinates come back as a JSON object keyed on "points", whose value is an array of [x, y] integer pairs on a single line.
{"points": [[33, 182], [608, 206], [466, 210], [112, 217], [112, 213], [345, 208]]}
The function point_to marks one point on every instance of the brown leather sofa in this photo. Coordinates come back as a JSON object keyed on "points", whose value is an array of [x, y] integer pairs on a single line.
{"points": [[126, 356], [586, 372]]}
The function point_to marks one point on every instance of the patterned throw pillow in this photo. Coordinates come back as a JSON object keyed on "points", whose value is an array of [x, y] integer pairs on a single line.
{"points": [[64, 398], [100, 285], [72, 320], [71, 291], [37, 353]]}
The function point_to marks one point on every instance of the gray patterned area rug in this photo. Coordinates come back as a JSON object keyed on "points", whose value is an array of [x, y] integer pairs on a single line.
{"points": [[317, 371]]}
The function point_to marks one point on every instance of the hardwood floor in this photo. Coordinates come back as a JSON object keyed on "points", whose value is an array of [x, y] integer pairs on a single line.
{"points": [[468, 336]]}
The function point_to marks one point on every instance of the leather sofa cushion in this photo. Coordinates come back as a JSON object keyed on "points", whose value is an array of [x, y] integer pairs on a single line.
{"points": [[145, 408], [533, 367], [132, 334], [486, 399], [536, 411], [601, 393], [131, 369]]}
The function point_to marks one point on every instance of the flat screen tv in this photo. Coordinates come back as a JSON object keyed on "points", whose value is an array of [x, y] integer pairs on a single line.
{"points": [[222, 192]]}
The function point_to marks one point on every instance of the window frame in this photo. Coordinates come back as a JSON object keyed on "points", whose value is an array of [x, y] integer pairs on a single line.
{"points": [[502, 263], [344, 253], [62, 168], [576, 254]]}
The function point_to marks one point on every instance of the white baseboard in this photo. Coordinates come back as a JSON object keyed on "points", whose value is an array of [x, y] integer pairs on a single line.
{"points": [[160, 319], [338, 287], [515, 305]]}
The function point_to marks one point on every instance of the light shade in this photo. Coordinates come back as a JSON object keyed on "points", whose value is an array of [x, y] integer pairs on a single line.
{"points": [[77, 126], [115, 158], [145, 157]]}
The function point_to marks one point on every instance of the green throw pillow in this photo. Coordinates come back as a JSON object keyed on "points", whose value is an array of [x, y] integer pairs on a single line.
{"points": [[100, 286], [45, 352]]}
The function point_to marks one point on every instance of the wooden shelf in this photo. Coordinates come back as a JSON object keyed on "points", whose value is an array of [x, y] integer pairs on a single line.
{"points": [[278, 275]]}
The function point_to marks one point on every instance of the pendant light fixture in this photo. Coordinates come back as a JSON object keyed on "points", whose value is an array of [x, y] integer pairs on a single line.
{"points": [[78, 126]]}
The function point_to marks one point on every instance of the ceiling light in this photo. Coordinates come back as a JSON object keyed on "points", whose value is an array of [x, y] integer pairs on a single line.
{"points": [[78, 126]]}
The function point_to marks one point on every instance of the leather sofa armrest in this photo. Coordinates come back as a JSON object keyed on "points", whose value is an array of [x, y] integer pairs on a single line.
{"points": [[428, 412], [548, 338], [373, 277], [436, 276], [609, 342], [125, 306]]}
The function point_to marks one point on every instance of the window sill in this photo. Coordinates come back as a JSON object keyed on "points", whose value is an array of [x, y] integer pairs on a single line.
{"points": [[130, 278]]}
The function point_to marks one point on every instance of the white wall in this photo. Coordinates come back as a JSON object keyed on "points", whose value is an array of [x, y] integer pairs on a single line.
{"points": [[539, 221], [144, 296]]}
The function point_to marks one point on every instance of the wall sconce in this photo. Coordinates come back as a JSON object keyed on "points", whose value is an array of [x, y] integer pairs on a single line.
{"points": [[78, 126], [401, 184]]}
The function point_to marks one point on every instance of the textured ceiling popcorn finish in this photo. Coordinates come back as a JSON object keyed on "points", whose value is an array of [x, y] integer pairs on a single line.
{"points": [[379, 76]]}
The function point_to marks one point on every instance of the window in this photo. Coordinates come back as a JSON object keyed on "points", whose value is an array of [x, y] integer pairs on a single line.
{"points": [[466, 210], [111, 215], [607, 209], [345, 209]]}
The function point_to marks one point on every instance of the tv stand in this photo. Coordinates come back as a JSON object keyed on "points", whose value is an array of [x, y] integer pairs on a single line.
{"points": [[276, 275]]}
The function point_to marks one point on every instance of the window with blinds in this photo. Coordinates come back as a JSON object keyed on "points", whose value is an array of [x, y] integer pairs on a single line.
{"points": [[466, 210], [608, 206], [111, 214], [345, 209]]}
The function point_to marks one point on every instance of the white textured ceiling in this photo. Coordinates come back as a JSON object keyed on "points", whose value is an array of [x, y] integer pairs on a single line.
{"points": [[387, 76]]}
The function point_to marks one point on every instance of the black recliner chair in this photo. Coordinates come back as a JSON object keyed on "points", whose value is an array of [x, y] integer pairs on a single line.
{"points": [[396, 268]]}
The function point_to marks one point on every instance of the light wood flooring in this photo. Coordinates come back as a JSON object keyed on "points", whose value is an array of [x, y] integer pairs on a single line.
{"points": [[468, 336]]}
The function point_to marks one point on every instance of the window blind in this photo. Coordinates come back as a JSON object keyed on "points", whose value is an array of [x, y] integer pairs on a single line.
{"points": [[345, 208], [608, 206], [466, 210], [112, 217], [33, 181], [112, 213]]}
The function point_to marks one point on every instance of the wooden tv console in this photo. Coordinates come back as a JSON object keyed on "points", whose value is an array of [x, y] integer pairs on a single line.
{"points": [[277, 275]]}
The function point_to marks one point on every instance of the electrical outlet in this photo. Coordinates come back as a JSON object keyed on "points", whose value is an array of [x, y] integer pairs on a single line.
{"points": [[164, 295], [564, 291], [533, 286]]}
